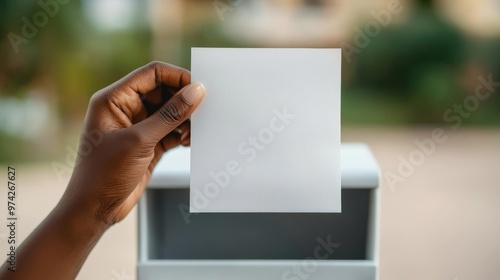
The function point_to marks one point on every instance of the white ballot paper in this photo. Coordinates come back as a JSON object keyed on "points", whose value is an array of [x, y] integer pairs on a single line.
{"points": [[266, 137]]}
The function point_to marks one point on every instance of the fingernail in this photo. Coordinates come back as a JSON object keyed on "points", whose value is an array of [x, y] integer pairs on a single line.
{"points": [[183, 136], [193, 93], [185, 143]]}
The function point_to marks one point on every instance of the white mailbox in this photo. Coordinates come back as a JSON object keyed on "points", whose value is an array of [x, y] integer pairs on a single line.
{"points": [[174, 244]]}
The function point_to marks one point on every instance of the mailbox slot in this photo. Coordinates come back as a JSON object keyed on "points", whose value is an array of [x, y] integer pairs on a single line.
{"points": [[176, 234]]}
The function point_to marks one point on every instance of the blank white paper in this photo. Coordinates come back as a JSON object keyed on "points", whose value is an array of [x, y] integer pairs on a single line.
{"points": [[266, 137]]}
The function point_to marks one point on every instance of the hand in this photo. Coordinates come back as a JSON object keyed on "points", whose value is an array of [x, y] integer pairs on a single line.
{"points": [[129, 125]]}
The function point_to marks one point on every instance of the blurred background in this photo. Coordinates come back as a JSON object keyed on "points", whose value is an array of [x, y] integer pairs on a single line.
{"points": [[403, 66], [408, 67]]}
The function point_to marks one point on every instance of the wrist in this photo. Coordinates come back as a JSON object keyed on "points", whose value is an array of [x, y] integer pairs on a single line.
{"points": [[67, 235], [80, 220]]}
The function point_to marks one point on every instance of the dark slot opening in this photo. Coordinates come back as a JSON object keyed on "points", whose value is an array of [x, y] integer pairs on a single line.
{"points": [[255, 235]]}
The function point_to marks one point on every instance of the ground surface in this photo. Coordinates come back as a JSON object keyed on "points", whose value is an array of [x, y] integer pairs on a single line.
{"points": [[442, 222]]}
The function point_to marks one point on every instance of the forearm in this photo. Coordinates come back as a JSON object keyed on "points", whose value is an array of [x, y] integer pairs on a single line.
{"points": [[58, 247], [128, 127]]}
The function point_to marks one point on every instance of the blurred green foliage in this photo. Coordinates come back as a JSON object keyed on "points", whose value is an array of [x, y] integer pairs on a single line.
{"points": [[415, 70], [68, 59], [410, 73], [74, 57]]}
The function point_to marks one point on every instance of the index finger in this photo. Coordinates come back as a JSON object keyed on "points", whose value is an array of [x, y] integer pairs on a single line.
{"points": [[154, 74]]}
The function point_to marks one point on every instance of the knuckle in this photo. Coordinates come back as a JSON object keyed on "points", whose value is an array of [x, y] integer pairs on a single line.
{"points": [[154, 65], [173, 112], [101, 97], [95, 99]]}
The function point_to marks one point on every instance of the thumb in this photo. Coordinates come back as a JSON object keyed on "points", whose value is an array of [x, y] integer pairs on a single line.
{"points": [[173, 113]]}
